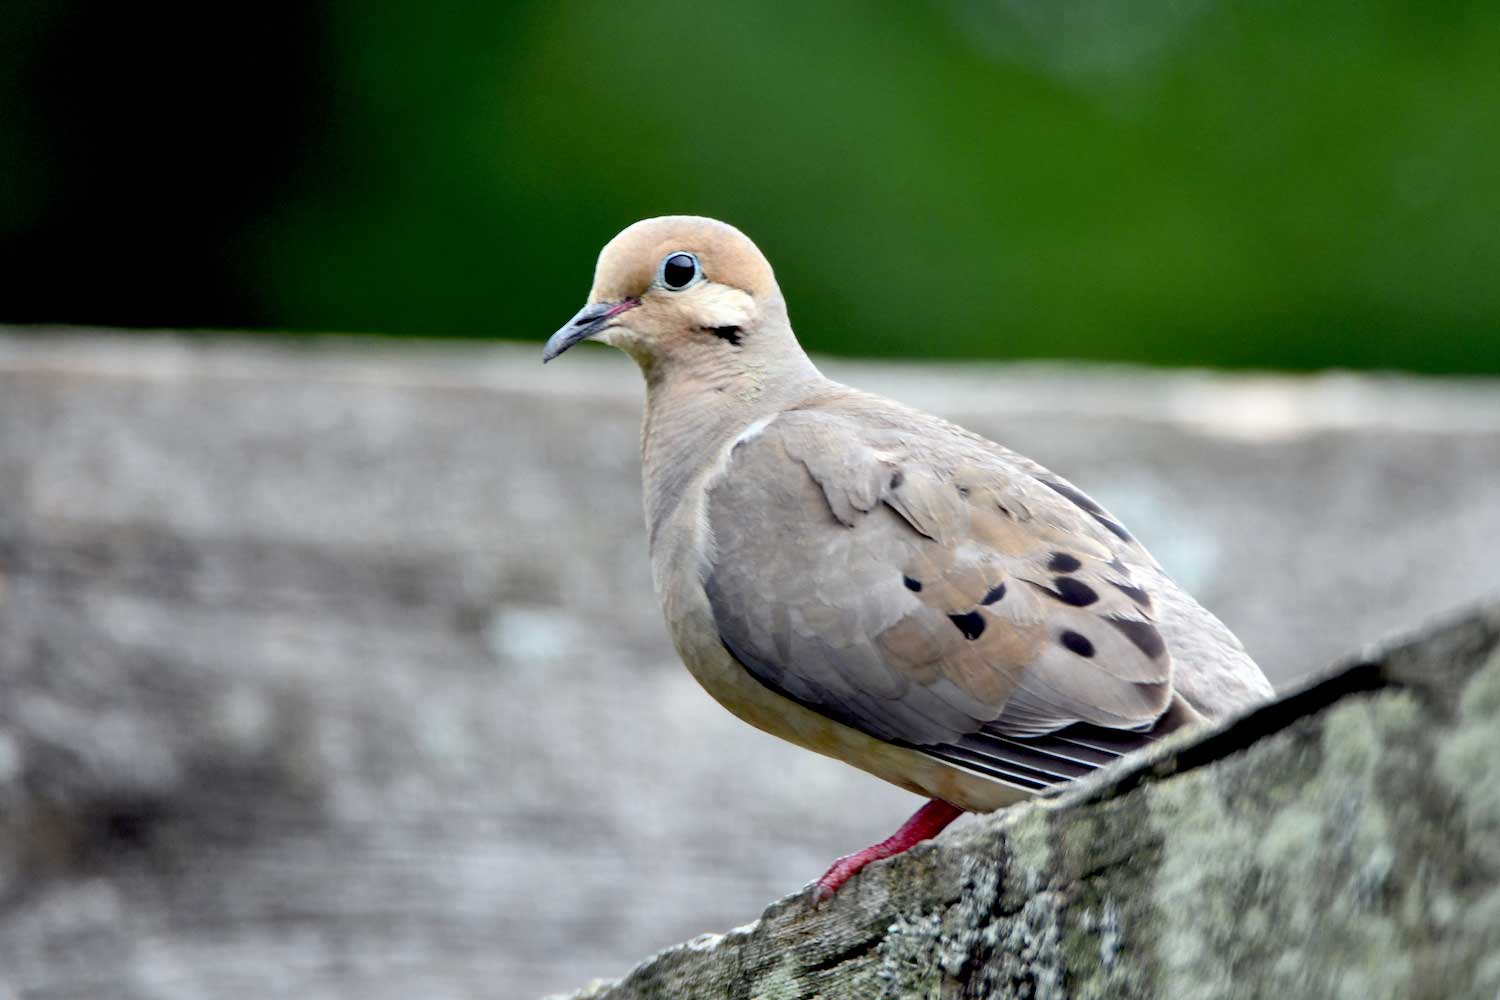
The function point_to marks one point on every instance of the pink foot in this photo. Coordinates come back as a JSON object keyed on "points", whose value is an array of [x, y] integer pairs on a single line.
{"points": [[926, 823]]}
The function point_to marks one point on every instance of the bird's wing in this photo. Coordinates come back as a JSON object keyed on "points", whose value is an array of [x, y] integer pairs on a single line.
{"points": [[934, 591]]}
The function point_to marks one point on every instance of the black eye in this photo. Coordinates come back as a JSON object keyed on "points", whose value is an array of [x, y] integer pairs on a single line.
{"points": [[679, 270]]}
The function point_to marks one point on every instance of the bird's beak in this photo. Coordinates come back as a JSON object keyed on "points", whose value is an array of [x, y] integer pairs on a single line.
{"points": [[589, 320]]}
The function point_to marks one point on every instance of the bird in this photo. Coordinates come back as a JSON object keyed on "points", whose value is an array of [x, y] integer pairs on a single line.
{"points": [[872, 582]]}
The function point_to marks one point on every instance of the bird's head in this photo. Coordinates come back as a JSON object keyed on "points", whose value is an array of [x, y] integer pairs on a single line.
{"points": [[682, 291]]}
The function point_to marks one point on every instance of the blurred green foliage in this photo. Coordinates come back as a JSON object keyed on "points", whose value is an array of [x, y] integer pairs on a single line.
{"points": [[1174, 181]]}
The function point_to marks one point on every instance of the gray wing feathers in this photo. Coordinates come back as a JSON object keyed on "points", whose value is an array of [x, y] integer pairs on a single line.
{"points": [[924, 597]]}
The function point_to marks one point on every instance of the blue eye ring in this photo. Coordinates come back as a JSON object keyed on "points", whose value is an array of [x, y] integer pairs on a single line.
{"points": [[679, 270]]}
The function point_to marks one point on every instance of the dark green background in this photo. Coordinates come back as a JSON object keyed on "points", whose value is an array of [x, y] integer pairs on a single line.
{"points": [[1282, 184]]}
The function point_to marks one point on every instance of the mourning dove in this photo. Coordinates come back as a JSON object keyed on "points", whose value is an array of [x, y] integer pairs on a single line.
{"points": [[872, 582]]}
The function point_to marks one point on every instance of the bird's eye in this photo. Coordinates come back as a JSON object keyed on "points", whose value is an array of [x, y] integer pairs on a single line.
{"points": [[679, 270]]}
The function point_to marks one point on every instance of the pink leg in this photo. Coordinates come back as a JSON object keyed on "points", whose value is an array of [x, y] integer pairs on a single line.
{"points": [[925, 823]]}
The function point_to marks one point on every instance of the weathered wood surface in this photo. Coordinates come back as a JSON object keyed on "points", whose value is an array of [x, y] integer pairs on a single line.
{"points": [[333, 670], [1344, 842]]}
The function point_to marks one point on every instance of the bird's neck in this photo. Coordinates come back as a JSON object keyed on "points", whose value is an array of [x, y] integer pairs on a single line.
{"points": [[694, 410]]}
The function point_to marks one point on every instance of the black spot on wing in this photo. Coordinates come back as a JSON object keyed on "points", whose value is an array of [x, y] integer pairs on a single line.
{"points": [[897, 478], [1115, 528], [1062, 562], [1145, 636], [970, 624], [915, 586], [994, 594], [1075, 642], [1074, 592]]}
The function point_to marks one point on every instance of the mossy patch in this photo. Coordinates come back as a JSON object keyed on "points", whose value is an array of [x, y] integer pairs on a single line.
{"points": [[1332, 884]]}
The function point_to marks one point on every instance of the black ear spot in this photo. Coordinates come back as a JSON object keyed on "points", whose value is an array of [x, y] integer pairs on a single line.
{"points": [[731, 334], [1075, 642]]}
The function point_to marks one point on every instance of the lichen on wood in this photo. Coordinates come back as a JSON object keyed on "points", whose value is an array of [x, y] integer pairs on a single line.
{"points": [[1341, 842]]}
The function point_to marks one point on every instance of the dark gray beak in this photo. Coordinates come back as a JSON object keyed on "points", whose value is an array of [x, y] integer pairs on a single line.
{"points": [[590, 320]]}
